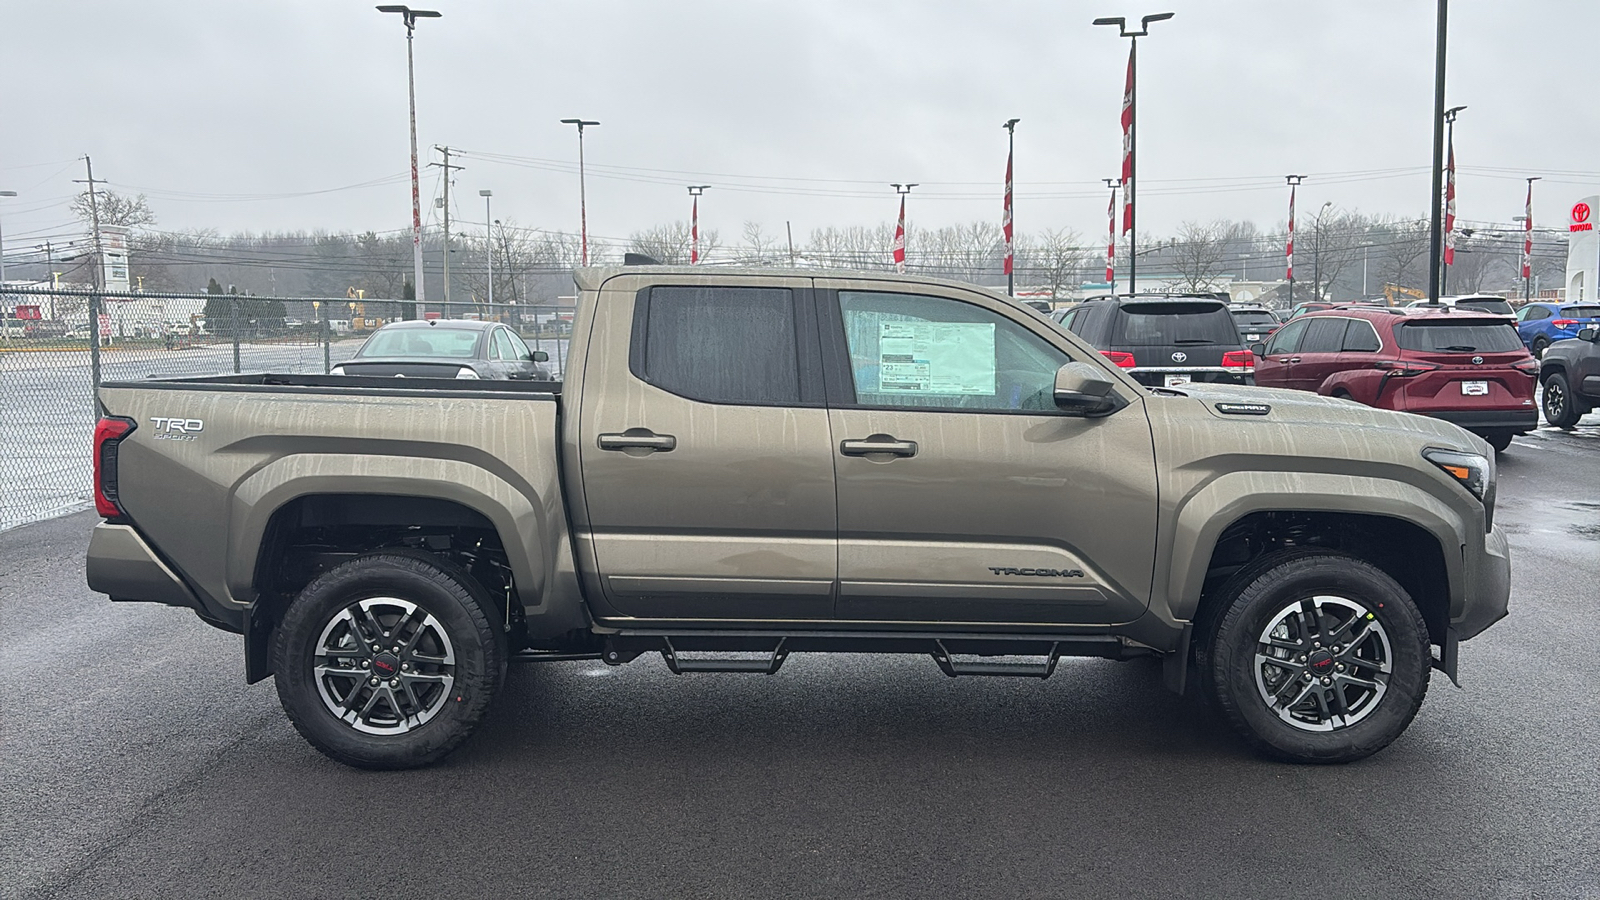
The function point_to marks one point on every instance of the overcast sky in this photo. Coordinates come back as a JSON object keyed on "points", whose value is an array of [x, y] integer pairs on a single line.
{"points": [[262, 116]]}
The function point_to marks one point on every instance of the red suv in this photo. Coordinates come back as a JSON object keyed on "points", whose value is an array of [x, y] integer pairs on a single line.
{"points": [[1464, 367]]}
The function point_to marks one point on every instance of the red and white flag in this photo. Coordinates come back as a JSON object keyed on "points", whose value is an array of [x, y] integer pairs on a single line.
{"points": [[1450, 208], [1288, 253], [1005, 219], [1111, 240], [1127, 148], [1527, 235], [900, 239], [694, 233]]}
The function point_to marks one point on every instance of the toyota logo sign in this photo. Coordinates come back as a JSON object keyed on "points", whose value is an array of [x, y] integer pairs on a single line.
{"points": [[1580, 217], [1180, 356]]}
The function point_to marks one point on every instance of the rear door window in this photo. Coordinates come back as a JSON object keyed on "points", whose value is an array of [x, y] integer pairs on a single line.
{"points": [[719, 344], [1253, 319], [1360, 337], [1324, 335], [1498, 307], [1169, 324], [1444, 336]]}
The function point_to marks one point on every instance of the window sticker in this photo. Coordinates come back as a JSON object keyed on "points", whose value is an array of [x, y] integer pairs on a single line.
{"points": [[936, 358]]}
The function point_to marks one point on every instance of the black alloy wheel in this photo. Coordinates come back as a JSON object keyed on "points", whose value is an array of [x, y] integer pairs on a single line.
{"points": [[1560, 407]]}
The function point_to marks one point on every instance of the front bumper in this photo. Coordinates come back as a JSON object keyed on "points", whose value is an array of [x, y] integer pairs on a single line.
{"points": [[1488, 588], [1519, 421], [121, 564]]}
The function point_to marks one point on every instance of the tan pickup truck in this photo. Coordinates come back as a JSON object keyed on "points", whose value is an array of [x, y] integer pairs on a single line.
{"points": [[742, 464]]}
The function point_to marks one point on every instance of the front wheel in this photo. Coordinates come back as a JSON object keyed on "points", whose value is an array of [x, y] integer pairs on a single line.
{"points": [[1499, 440], [388, 661], [1316, 657], [1560, 407]]}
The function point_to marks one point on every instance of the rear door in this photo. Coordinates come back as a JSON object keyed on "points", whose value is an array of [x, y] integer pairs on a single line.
{"points": [[707, 460], [964, 494], [1318, 354]]}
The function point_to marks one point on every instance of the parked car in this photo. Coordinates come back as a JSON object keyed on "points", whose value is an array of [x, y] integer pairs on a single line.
{"points": [[1255, 323], [1542, 323], [1464, 367], [447, 348], [1570, 373], [750, 464], [1165, 341]]}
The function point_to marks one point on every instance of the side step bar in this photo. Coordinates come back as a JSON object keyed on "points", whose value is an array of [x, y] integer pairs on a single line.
{"points": [[680, 666], [951, 666]]}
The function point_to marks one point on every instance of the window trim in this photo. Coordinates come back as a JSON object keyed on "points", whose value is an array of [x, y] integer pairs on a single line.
{"points": [[1370, 327], [807, 353], [836, 352]]}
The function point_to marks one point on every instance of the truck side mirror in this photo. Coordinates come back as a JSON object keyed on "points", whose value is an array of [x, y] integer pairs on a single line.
{"points": [[1590, 334], [1083, 390], [539, 356], [1259, 348]]}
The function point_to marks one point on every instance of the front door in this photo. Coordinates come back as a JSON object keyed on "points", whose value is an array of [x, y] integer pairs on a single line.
{"points": [[964, 494], [706, 453]]}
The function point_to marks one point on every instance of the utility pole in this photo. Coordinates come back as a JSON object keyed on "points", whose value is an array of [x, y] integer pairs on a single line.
{"points": [[583, 199], [99, 264], [488, 241], [410, 16], [446, 167], [1435, 226]]}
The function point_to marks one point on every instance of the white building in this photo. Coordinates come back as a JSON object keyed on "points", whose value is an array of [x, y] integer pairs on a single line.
{"points": [[1583, 250]]}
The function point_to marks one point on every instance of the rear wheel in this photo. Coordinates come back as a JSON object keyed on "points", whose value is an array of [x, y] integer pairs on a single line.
{"points": [[1560, 407], [1539, 346], [1499, 440], [389, 660], [1316, 657]]}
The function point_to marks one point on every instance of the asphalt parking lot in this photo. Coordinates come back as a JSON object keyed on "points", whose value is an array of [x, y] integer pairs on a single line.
{"points": [[138, 763]]}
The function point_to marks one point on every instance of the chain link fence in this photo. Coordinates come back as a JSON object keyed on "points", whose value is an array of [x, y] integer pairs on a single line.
{"points": [[56, 346]]}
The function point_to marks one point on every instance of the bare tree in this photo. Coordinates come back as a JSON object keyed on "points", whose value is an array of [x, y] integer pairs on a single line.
{"points": [[1399, 252], [1057, 258], [668, 244], [1203, 253], [114, 209], [758, 249]]}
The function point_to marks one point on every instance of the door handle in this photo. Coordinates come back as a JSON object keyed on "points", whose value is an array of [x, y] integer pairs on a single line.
{"points": [[1293, 359], [878, 443], [638, 439]]}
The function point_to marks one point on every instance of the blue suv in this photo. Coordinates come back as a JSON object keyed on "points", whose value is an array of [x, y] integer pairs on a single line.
{"points": [[1542, 323]]}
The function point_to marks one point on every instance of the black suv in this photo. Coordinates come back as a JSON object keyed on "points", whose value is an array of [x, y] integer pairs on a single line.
{"points": [[1256, 323], [1570, 373], [1166, 340]]}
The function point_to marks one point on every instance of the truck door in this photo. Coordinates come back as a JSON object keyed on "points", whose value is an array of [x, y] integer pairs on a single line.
{"points": [[707, 462], [964, 494]]}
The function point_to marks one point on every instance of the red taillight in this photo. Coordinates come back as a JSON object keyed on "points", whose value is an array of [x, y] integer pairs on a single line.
{"points": [[1529, 366], [1238, 359], [1563, 323], [1404, 368], [1119, 358], [108, 432]]}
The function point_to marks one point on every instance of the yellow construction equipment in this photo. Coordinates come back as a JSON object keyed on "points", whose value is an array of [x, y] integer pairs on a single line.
{"points": [[1391, 290]]}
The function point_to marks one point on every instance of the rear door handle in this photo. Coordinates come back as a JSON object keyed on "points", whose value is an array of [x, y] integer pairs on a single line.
{"points": [[878, 443], [1293, 359], [638, 439]]}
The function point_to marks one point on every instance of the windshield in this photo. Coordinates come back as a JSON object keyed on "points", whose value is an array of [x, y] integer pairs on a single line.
{"points": [[1443, 336], [422, 343], [1177, 323], [1498, 307], [1248, 317]]}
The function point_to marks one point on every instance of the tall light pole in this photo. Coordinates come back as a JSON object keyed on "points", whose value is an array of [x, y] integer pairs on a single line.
{"points": [[1006, 224], [488, 242], [1316, 257], [3, 249], [1288, 248], [1111, 234], [411, 16], [1129, 130], [1449, 198], [1435, 256], [695, 190], [1527, 244], [900, 228], [583, 201]]}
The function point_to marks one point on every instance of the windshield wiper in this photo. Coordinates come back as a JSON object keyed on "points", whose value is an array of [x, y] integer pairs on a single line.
{"points": [[1460, 348], [1194, 341]]}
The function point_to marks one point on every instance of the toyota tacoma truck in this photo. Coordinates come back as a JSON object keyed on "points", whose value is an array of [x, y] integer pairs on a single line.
{"points": [[745, 464]]}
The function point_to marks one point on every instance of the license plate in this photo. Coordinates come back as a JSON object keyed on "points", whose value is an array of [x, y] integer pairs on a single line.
{"points": [[1177, 380], [1475, 388], [1252, 337]]}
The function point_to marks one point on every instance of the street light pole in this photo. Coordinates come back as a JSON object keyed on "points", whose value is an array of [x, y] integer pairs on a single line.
{"points": [[900, 228], [488, 242], [1288, 250], [1449, 199], [1130, 132], [1006, 225], [3, 250], [1316, 255], [1527, 244], [1435, 234], [695, 190], [411, 16], [583, 201]]}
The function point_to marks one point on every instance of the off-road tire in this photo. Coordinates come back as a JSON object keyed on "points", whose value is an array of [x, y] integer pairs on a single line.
{"points": [[1244, 606], [1560, 406], [459, 607]]}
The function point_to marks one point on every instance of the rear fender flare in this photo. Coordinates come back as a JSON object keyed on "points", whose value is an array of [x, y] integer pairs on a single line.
{"points": [[1209, 511], [521, 524]]}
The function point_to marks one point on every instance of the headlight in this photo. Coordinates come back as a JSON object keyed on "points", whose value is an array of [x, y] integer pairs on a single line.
{"points": [[336, 370], [465, 372], [1472, 471]]}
